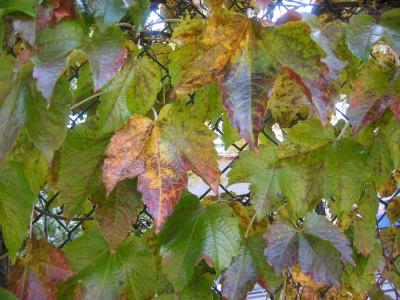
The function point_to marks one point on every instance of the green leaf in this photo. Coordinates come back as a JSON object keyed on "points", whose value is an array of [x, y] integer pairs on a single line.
{"points": [[47, 127], [249, 267], [391, 130], [194, 232], [32, 159], [6, 295], [106, 55], [80, 167], [380, 159], [54, 45], [199, 288], [117, 212], [207, 104], [230, 134], [25, 6], [262, 171], [104, 274], [365, 226], [16, 204], [133, 90], [390, 20], [319, 247], [364, 273], [107, 12], [12, 95], [346, 173], [362, 34]]}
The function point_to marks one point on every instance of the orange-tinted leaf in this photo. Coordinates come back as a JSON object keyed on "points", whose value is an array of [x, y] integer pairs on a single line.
{"points": [[162, 154], [36, 272], [125, 153]]}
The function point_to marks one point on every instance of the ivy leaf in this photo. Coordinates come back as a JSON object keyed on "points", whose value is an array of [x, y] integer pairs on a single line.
{"points": [[287, 101], [125, 153], [128, 271], [107, 12], [133, 90], [319, 246], [362, 34], [36, 272], [375, 90], [262, 171], [382, 162], [82, 153], [6, 295], [47, 128], [162, 154], [25, 6], [16, 205], [118, 212], [245, 86], [249, 267], [106, 56], [54, 45], [365, 226], [13, 93], [32, 160], [194, 232]]}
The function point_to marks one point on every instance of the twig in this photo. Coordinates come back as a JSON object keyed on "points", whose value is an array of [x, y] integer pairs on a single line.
{"points": [[127, 25], [3, 256], [164, 21], [249, 226], [343, 131], [85, 100]]}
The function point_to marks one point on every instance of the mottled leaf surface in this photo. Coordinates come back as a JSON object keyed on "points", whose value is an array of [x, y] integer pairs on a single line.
{"points": [[36, 272]]}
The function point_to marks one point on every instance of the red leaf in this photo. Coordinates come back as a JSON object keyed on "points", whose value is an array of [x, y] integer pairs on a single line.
{"points": [[63, 9], [290, 16], [35, 274]]}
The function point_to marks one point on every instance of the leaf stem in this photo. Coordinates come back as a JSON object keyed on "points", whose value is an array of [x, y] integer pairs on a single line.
{"points": [[85, 100], [155, 114], [341, 134], [250, 225], [164, 21]]}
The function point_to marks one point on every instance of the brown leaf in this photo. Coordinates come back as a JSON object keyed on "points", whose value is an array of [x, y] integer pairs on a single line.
{"points": [[125, 153], [118, 212], [35, 274]]}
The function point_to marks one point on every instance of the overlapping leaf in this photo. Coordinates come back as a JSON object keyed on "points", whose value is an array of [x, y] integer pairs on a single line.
{"points": [[133, 90], [319, 247], [244, 58], [36, 272], [376, 89], [194, 232], [249, 267], [262, 171], [116, 213], [80, 167], [161, 153], [128, 271], [16, 203]]}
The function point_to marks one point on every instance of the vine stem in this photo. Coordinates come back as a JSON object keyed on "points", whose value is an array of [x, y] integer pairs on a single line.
{"points": [[250, 225], [341, 134], [30, 223], [164, 21], [85, 100]]}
